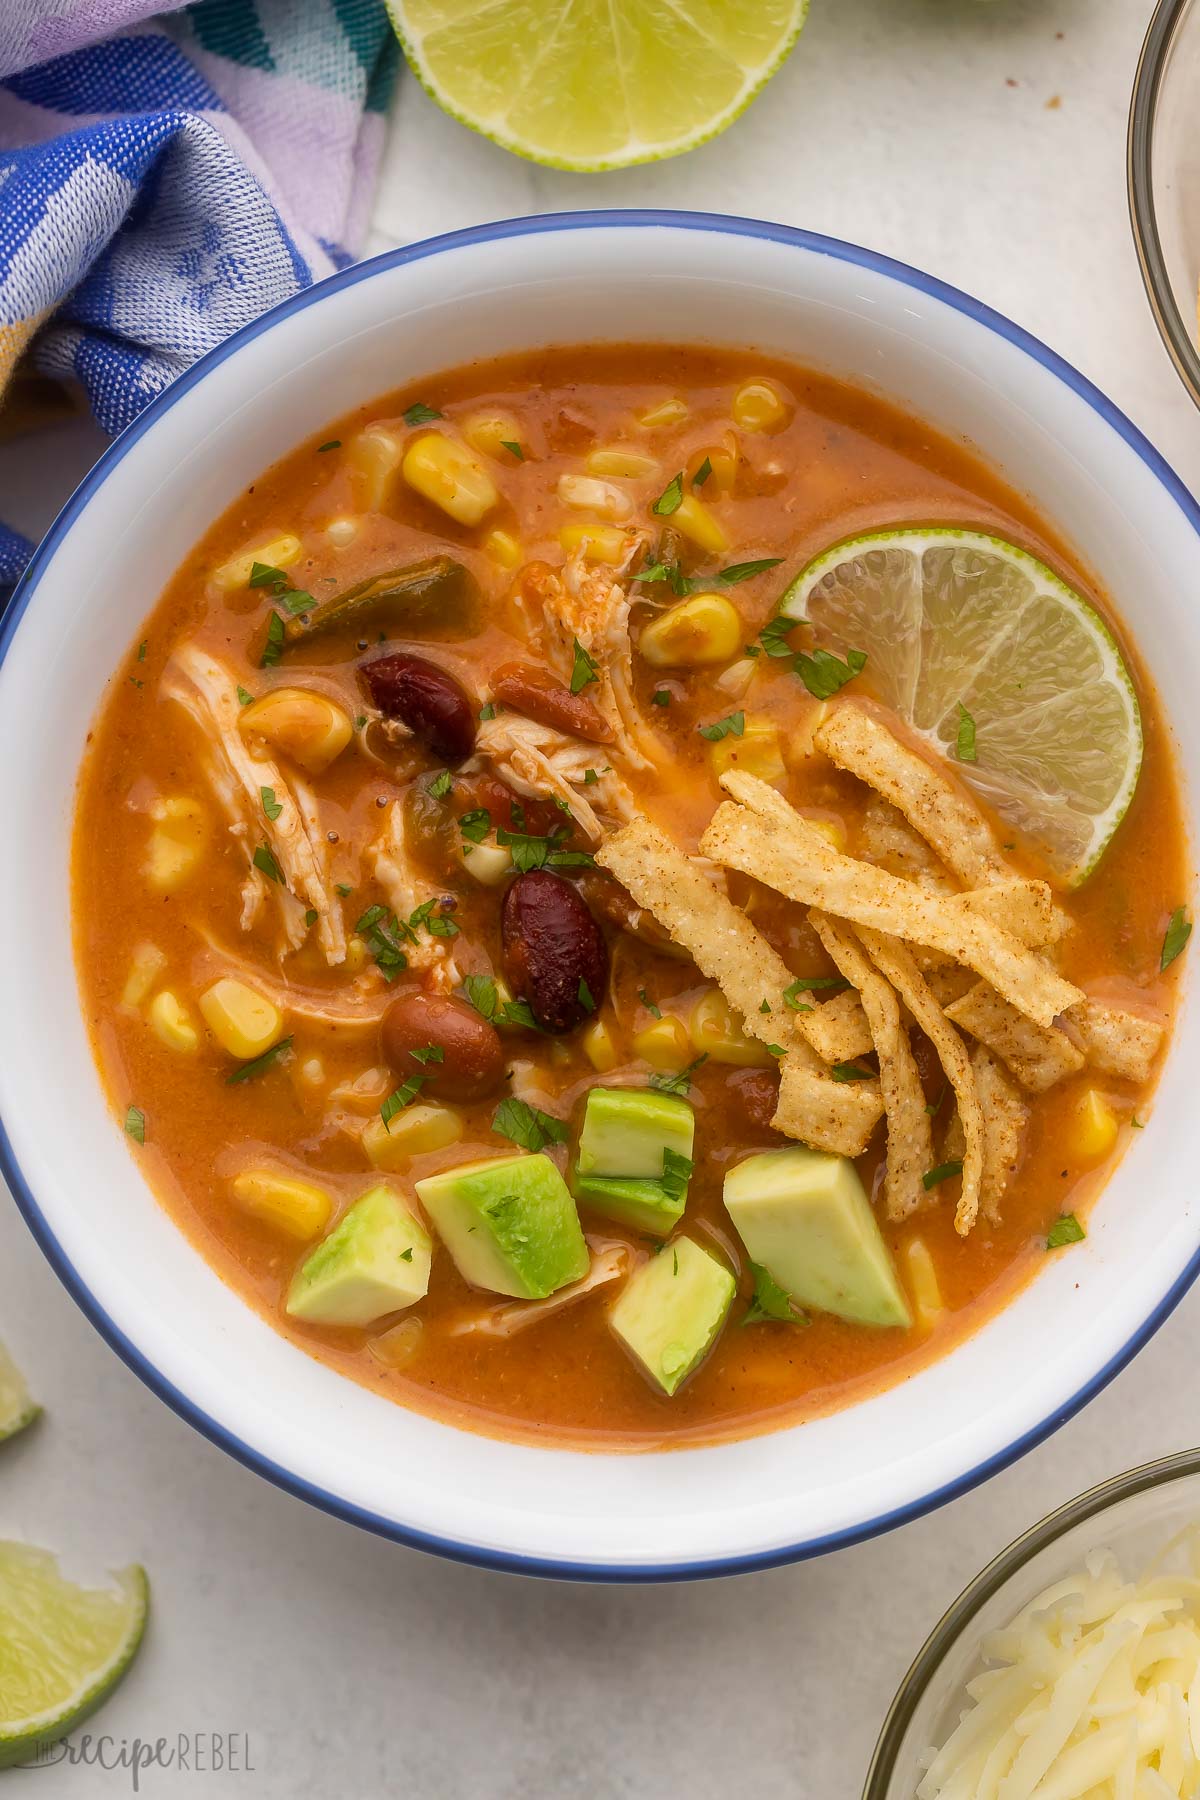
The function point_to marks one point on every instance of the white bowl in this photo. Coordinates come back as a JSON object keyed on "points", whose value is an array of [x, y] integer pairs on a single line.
{"points": [[478, 293]]}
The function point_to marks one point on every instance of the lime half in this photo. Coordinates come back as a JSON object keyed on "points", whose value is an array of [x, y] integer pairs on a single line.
{"points": [[63, 1648], [596, 84], [17, 1410], [956, 622]]}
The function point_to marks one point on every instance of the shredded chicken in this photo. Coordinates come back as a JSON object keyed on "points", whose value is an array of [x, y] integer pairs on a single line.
{"points": [[392, 862], [294, 837], [537, 760], [610, 1260]]}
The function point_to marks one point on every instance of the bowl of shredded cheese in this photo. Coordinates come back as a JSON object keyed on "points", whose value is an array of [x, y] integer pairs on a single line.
{"points": [[1070, 1668]]}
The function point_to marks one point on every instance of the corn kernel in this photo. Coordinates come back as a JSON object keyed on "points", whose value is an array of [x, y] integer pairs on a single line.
{"points": [[310, 728], [715, 1032], [923, 1287], [410, 1133], [489, 862], [356, 955], [503, 548], [342, 531], [830, 828], [756, 752], [1094, 1127], [672, 411], [491, 433], [586, 494], [242, 1020], [722, 467], [598, 543], [446, 473], [758, 406], [172, 1023], [664, 1045], [279, 553], [177, 843], [693, 634], [145, 966], [629, 465], [373, 457], [695, 521], [299, 1208], [600, 1047], [397, 1347]]}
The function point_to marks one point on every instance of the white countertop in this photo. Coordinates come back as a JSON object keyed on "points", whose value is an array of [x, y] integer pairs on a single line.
{"points": [[921, 128]]}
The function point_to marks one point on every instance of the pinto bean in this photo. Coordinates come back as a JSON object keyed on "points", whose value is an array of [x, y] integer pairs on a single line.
{"points": [[554, 951], [472, 1060], [540, 695], [436, 708]]}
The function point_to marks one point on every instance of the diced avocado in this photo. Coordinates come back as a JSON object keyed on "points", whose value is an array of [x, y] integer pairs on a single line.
{"points": [[671, 1310], [805, 1217], [627, 1130], [509, 1223], [374, 1261], [653, 1206]]}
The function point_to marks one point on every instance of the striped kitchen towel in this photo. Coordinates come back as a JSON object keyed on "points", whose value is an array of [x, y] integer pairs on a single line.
{"points": [[167, 172]]}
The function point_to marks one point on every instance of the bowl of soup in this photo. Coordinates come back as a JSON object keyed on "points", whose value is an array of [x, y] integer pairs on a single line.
{"points": [[602, 894]]}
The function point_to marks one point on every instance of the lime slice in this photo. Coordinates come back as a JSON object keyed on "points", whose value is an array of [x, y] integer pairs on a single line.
{"points": [[17, 1410], [596, 84], [63, 1648], [956, 619]]}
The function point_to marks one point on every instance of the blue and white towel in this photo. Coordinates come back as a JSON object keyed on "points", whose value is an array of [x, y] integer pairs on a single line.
{"points": [[164, 179]]}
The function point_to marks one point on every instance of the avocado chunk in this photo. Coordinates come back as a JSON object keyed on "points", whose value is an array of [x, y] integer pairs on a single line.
{"points": [[509, 1223], [626, 1132], [671, 1310], [804, 1215], [374, 1261], [655, 1207]]}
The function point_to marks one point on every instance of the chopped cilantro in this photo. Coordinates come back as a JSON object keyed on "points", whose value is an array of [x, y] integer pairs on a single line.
{"points": [[487, 712], [404, 1096], [526, 1125], [733, 726], [420, 414], [771, 1304], [297, 601], [944, 1172], [249, 1070], [532, 852], [135, 1124], [406, 1255], [476, 824], [273, 647], [775, 633], [743, 571], [1137, 1123], [244, 699], [964, 743], [702, 473], [344, 889], [518, 1012], [270, 804], [429, 1053], [775, 1049], [382, 933], [266, 575], [141, 655], [441, 784], [848, 1071], [677, 1171], [812, 984], [661, 697], [481, 992], [329, 444], [310, 917], [671, 498], [671, 573], [680, 1081], [584, 995], [590, 778], [823, 673], [584, 670], [654, 1011], [264, 860], [514, 448], [1177, 934], [1066, 1230], [764, 1007], [935, 1106]]}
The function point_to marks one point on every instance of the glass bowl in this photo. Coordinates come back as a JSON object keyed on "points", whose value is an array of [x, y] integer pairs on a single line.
{"points": [[1164, 178], [1135, 1515]]}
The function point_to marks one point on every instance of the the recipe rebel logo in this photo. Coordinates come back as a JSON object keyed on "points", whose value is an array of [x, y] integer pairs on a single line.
{"points": [[196, 1753]]}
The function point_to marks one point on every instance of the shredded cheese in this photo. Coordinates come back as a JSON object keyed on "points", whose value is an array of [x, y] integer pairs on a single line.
{"points": [[1091, 1693]]}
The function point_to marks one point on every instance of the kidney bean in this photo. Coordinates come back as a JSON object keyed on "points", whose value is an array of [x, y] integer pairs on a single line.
{"points": [[436, 708], [472, 1063], [540, 695], [553, 950]]}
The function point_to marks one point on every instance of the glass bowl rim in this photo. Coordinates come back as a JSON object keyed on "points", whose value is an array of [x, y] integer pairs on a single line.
{"points": [[957, 1618], [1165, 23]]}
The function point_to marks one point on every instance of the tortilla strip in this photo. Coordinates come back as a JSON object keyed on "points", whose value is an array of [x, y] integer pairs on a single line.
{"points": [[717, 934], [1037, 1055], [1005, 1116], [909, 1137], [838, 1116], [838, 1028], [1023, 908], [768, 839], [1115, 1041], [947, 981], [886, 838], [895, 961], [932, 804]]}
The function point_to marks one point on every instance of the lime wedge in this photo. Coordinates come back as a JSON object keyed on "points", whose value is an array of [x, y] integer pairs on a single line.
{"points": [[17, 1410], [957, 620], [63, 1648], [596, 84]]}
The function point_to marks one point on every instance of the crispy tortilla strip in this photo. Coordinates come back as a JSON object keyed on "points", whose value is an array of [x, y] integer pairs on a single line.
{"points": [[1005, 1116], [947, 981], [895, 961], [1118, 1042], [719, 937], [767, 838], [1022, 907], [838, 1116], [1038, 1055], [909, 1138], [886, 838], [838, 1029], [929, 800]]}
